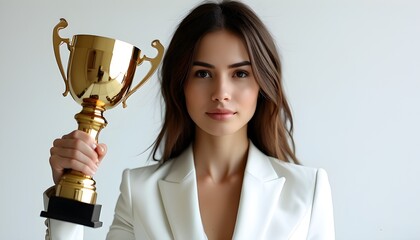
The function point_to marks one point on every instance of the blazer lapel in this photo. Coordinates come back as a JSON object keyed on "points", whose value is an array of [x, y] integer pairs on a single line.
{"points": [[180, 198], [261, 190]]}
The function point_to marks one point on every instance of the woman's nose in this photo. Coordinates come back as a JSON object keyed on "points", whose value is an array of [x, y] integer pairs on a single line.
{"points": [[221, 89]]}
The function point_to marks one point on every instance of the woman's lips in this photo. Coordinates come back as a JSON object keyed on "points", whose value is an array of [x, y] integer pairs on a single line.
{"points": [[220, 114]]}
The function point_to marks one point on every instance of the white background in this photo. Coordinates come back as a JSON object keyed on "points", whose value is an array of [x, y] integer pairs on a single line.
{"points": [[352, 75]]}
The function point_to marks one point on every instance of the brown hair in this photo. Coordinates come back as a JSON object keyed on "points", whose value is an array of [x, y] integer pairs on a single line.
{"points": [[271, 127]]}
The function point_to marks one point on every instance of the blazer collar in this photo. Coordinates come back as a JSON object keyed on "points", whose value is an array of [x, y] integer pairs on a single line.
{"points": [[180, 198], [260, 191]]}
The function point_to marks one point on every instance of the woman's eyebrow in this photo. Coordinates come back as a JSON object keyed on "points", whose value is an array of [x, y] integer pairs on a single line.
{"points": [[240, 64], [203, 64], [208, 65]]}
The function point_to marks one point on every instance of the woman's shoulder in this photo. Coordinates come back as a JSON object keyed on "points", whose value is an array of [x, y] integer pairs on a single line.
{"points": [[286, 169], [295, 169], [150, 171], [299, 175]]}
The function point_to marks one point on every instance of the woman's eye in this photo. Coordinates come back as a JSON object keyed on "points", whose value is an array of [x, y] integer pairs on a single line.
{"points": [[241, 74], [202, 74]]}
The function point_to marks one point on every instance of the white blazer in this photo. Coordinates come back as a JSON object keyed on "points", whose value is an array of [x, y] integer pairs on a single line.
{"points": [[278, 201]]}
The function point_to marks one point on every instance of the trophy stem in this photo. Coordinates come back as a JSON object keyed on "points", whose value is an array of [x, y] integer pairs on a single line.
{"points": [[91, 119], [74, 184]]}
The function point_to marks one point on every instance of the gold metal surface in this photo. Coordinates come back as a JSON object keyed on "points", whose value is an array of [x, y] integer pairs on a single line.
{"points": [[74, 185], [99, 76]]}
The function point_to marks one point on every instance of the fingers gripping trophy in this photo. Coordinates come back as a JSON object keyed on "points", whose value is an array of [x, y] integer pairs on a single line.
{"points": [[99, 76]]}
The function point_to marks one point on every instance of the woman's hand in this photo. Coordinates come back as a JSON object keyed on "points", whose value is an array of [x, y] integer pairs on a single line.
{"points": [[78, 151]]}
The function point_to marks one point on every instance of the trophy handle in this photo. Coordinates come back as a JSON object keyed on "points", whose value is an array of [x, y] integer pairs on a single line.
{"points": [[155, 63], [57, 41]]}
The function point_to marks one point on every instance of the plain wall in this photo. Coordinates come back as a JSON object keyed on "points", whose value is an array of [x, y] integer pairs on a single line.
{"points": [[351, 72]]}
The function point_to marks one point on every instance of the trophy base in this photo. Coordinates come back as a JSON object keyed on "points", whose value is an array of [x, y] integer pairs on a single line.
{"points": [[69, 210]]}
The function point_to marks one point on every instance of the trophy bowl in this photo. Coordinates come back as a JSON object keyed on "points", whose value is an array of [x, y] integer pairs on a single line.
{"points": [[103, 68]]}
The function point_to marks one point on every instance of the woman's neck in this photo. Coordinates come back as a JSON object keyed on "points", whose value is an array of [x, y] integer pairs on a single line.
{"points": [[219, 158]]}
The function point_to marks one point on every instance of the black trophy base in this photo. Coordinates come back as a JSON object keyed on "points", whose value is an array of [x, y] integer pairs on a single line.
{"points": [[73, 211]]}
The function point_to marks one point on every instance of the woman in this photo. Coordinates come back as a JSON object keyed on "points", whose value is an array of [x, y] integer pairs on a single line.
{"points": [[228, 168]]}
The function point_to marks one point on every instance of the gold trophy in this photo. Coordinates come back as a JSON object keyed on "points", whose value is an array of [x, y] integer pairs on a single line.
{"points": [[99, 76]]}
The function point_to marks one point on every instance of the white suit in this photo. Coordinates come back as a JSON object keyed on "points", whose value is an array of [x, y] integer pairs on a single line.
{"points": [[278, 201]]}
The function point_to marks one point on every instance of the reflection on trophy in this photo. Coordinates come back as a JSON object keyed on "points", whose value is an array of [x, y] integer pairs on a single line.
{"points": [[99, 76]]}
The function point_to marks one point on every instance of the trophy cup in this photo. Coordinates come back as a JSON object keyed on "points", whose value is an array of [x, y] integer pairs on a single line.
{"points": [[100, 73]]}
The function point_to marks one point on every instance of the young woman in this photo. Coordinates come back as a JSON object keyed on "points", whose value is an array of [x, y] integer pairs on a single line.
{"points": [[228, 168]]}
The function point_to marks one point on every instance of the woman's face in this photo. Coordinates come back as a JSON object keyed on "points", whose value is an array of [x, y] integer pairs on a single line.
{"points": [[221, 91]]}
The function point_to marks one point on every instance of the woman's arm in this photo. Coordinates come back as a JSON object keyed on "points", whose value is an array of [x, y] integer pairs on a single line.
{"points": [[59, 230], [122, 226], [322, 220]]}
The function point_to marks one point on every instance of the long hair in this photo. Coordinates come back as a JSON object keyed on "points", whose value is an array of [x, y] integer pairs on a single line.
{"points": [[271, 127]]}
